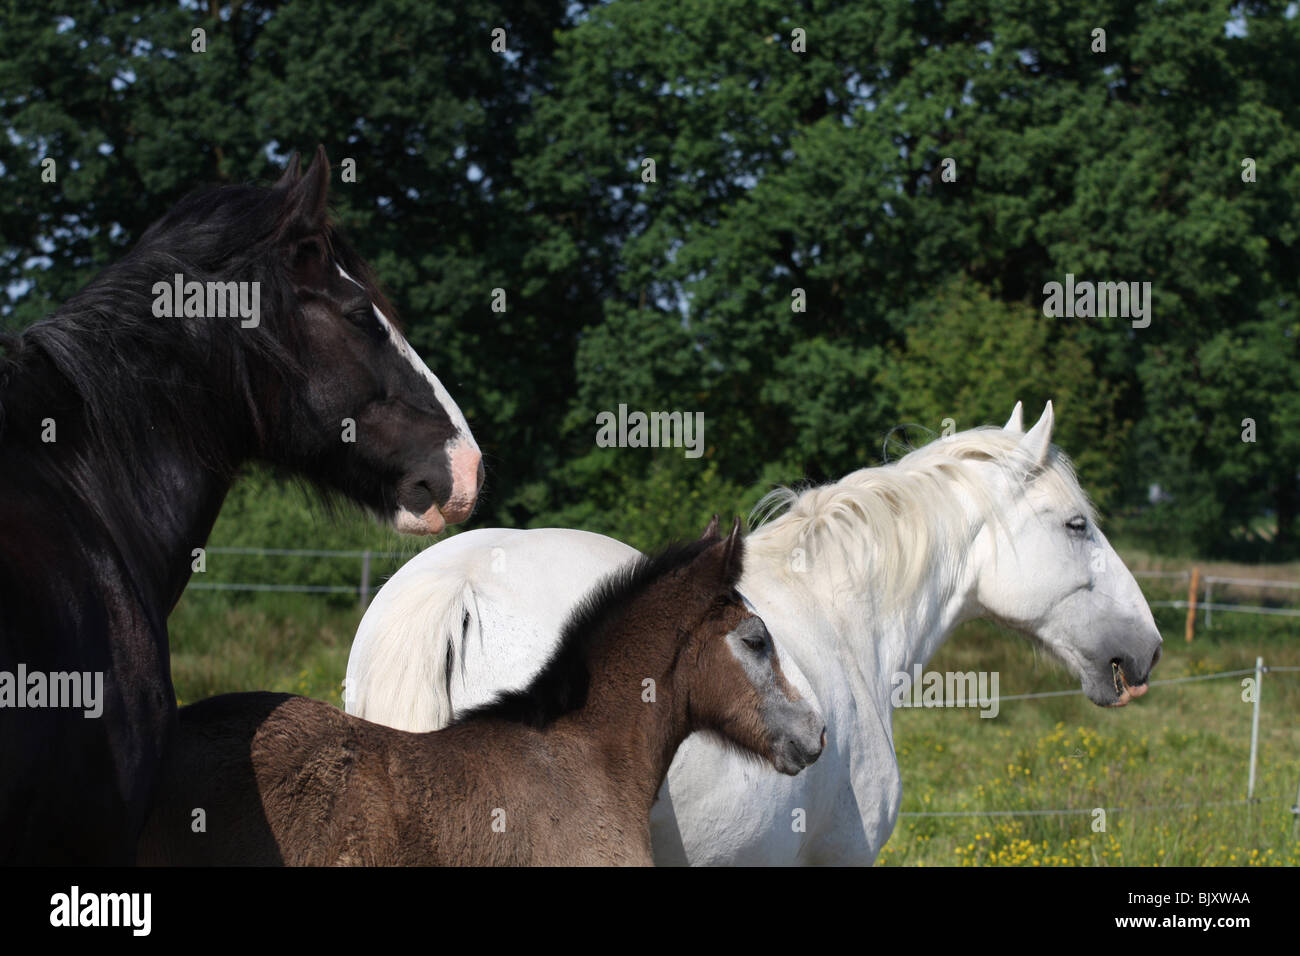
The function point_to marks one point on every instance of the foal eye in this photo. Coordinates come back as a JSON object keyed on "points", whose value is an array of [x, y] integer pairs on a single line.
{"points": [[1078, 524], [754, 643]]}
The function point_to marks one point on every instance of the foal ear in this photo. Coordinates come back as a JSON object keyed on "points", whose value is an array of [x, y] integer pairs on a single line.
{"points": [[733, 554], [711, 532], [306, 199], [718, 566]]}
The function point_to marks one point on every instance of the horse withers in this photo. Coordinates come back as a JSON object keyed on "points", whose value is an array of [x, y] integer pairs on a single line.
{"points": [[562, 772], [241, 327]]}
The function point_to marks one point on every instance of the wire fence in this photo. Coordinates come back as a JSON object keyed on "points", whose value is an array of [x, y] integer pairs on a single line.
{"points": [[1201, 593], [1091, 810], [1200, 599], [1258, 672], [363, 589]]}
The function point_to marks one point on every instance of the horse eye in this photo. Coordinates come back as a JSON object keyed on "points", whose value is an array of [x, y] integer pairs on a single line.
{"points": [[363, 316], [754, 643], [364, 319], [1078, 524]]}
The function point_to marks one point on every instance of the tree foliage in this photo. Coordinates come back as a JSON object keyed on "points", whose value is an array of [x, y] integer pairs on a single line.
{"points": [[781, 179]]}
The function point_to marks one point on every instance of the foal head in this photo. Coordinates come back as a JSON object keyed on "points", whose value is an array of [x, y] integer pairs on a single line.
{"points": [[728, 669], [678, 618]]}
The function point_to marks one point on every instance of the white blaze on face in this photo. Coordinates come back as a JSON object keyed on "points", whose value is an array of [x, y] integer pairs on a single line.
{"points": [[463, 452]]}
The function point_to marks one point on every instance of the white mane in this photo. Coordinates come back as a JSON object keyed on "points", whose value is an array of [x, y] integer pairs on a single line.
{"points": [[893, 525]]}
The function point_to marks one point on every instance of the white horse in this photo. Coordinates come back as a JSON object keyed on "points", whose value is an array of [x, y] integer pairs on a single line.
{"points": [[858, 581]]}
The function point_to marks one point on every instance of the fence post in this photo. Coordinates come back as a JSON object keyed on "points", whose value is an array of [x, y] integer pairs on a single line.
{"points": [[1192, 587], [1295, 812], [1254, 726], [365, 579]]}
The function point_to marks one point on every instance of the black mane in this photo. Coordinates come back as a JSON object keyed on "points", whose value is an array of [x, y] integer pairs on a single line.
{"points": [[106, 361], [560, 687]]}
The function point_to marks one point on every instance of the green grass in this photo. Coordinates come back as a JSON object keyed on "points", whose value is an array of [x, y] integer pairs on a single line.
{"points": [[282, 642], [1187, 743], [1180, 744]]}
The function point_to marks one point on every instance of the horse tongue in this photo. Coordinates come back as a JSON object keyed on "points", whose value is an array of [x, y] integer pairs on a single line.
{"points": [[1131, 692]]}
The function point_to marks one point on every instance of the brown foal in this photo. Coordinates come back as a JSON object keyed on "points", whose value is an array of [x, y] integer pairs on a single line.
{"points": [[563, 772]]}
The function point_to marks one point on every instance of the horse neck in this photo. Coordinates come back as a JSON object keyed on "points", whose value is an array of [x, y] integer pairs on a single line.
{"points": [[152, 486], [873, 633], [911, 634], [635, 739], [176, 513]]}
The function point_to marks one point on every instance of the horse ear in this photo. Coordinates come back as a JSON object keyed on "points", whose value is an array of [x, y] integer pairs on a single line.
{"points": [[292, 172], [307, 198], [733, 554], [1038, 441], [1016, 423], [711, 532], [719, 565]]}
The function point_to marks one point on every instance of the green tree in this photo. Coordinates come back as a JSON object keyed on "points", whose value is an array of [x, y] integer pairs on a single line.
{"points": [[837, 187], [821, 174], [969, 357], [413, 92]]}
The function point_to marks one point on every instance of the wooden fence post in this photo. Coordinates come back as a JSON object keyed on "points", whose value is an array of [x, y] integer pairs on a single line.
{"points": [[1192, 588]]}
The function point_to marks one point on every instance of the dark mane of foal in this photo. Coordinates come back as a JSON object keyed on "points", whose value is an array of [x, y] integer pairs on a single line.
{"points": [[560, 687], [124, 366]]}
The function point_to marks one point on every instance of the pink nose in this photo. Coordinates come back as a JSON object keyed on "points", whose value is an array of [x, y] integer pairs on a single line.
{"points": [[466, 477]]}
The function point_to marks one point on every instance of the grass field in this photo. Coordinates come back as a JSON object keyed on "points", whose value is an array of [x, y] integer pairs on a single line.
{"points": [[1178, 745]]}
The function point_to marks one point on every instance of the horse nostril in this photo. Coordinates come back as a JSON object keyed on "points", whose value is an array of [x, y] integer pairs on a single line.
{"points": [[423, 488], [823, 737], [1154, 660]]}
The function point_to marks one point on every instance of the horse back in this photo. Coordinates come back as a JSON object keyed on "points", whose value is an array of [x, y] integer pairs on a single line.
{"points": [[263, 779]]}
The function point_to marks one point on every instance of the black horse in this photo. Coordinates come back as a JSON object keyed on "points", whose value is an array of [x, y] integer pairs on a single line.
{"points": [[121, 429]]}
